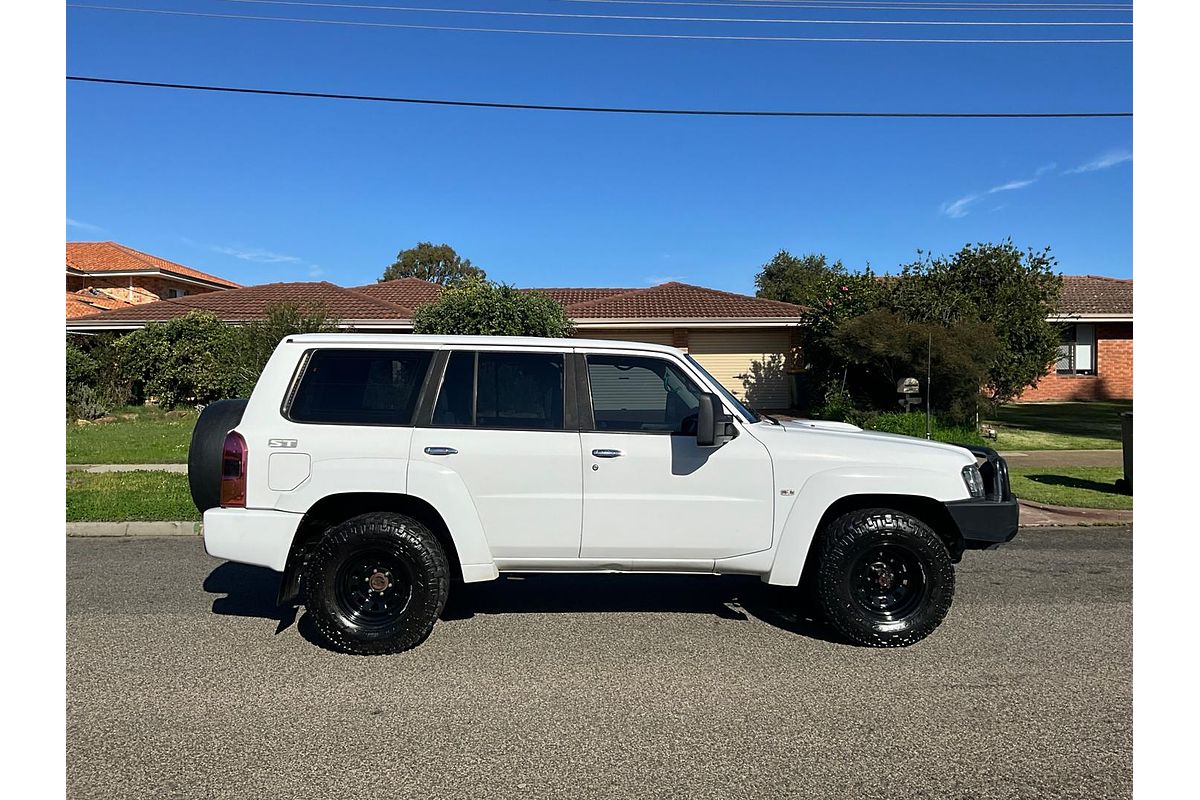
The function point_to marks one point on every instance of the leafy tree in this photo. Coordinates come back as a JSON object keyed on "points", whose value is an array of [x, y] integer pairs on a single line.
{"points": [[437, 263], [997, 285], [480, 307], [256, 341], [830, 295]]}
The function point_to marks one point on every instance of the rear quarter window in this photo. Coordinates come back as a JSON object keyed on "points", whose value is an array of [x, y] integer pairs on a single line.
{"points": [[360, 387]]}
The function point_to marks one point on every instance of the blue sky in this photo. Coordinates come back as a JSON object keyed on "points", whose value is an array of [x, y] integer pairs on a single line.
{"points": [[262, 189]]}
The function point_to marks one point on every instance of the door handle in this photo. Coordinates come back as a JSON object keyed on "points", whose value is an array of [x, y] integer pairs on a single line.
{"points": [[440, 451], [607, 453]]}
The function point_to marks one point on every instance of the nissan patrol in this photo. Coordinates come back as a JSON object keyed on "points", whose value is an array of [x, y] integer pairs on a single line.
{"points": [[375, 471]]}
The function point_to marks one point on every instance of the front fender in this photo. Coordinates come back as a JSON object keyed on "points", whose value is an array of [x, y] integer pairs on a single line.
{"points": [[444, 489], [823, 489]]}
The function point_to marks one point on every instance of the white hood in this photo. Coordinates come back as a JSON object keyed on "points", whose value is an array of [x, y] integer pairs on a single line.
{"points": [[842, 440]]}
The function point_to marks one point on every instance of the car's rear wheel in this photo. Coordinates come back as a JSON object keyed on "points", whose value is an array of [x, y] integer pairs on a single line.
{"points": [[376, 584], [885, 578]]}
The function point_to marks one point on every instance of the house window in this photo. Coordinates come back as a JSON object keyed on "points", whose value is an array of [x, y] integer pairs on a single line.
{"points": [[1077, 353], [173, 293]]}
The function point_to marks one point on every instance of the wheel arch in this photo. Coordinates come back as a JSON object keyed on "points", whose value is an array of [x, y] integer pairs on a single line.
{"points": [[334, 509], [795, 557]]}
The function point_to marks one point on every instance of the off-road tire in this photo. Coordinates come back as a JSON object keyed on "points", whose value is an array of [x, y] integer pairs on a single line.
{"points": [[846, 572], [387, 538]]}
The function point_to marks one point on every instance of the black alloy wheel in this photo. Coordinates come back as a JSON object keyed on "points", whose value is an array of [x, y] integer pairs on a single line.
{"points": [[888, 581]]}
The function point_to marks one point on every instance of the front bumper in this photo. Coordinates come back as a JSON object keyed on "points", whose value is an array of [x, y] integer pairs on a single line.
{"points": [[985, 523], [989, 521]]}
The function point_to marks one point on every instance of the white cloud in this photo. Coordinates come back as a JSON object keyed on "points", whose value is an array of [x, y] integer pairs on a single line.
{"points": [[83, 226], [1008, 187], [1110, 159], [956, 209], [315, 271], [656, 280], [257, 255], [1044, 168]]}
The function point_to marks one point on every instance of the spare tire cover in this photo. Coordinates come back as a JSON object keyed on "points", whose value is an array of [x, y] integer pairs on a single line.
{"points": [[204, 455]]}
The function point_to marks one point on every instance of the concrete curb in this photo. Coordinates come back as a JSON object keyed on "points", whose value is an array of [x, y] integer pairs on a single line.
{"points": [[111, 529]]}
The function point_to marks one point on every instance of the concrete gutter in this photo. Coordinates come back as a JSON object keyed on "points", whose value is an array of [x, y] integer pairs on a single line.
{"points": [[1038, 515], [110, 529]]}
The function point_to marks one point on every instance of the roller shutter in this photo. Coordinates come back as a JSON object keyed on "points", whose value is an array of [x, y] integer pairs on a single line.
{"points": [[750, 363]]}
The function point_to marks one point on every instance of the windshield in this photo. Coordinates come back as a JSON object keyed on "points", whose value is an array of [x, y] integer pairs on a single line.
{"points": [[746, 411]]}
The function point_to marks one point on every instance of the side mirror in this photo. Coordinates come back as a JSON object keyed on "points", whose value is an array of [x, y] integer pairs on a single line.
{"points": [[713, 426]]}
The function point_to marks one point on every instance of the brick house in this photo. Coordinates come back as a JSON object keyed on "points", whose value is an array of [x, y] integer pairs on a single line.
{"points": [[1096, 355], [747, 343], [103, 276]]}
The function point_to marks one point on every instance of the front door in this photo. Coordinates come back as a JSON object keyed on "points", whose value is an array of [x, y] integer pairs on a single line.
{"points": [[499, 423], [649, 491]]}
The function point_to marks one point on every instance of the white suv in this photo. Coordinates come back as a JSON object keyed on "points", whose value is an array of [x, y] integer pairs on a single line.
{"points": [[374, 471]]}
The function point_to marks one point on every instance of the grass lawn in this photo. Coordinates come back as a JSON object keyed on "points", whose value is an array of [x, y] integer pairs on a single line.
{"points": [[1059, 426], [141, 435], [1082, 487], [122, 496]]}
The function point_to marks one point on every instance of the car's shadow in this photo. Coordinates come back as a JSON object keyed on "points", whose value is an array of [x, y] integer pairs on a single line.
{"points": [[251, 591]]}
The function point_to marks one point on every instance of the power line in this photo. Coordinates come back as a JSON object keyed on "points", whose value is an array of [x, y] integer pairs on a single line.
{"points": [[874, 6], [940, 3], [611, 109], [599, 34], [659, 18]]}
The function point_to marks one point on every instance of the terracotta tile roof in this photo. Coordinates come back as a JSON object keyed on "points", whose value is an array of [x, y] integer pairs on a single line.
{"points": [[251, 302], [408, 292], [1093, 294], [682, 301], [85, 302], [572, 296], [112, 257]]}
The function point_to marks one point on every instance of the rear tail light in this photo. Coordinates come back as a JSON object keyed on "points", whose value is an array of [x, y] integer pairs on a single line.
{"points": [[233, 472]]}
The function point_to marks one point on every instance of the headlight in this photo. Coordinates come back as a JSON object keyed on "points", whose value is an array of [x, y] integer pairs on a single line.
{"points": [[973, 480]]}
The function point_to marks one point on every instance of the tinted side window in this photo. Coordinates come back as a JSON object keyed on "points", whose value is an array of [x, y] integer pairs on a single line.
{"points": [[360, 387], [505, 390], [641, 395]]}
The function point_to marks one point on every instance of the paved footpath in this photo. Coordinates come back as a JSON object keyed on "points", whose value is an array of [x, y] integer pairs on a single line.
{"points": [[185, 681], [1032, 459]]}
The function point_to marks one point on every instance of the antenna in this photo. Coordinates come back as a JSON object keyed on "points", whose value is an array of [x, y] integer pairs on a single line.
{"points": [[928, 385]]}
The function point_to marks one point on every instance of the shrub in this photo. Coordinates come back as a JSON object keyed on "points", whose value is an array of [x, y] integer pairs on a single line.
{"points": [[880, 348], [482, 308], [913, 424], [81, 366], [84, 402], [254, 343], [183, 360]]}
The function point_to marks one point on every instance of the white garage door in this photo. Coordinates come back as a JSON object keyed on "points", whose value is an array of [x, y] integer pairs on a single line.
{"points": [[651, 335], [751, 364]]}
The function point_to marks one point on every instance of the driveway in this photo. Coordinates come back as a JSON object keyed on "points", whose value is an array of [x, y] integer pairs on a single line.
{"points": [[184, 681]]}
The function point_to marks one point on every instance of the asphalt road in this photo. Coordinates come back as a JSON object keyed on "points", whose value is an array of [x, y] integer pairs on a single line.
{"points": [[184, 681]]}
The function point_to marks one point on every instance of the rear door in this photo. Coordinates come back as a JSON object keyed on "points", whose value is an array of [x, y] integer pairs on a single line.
{"points": [[649, 491], [502, 423]]}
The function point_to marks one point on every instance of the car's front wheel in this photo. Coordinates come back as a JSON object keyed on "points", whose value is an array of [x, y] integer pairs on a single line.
{"points": [[885, 578], [376, 583]]}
